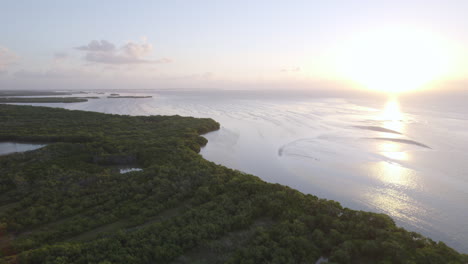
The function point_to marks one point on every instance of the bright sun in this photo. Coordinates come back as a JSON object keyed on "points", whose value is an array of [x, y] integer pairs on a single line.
{"points": [[395, 61]]}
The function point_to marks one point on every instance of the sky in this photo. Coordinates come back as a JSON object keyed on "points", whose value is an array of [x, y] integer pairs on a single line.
{"points": [[243, 44]]}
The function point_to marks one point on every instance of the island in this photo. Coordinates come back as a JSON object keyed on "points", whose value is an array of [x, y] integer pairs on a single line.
{"points": [[31, 93], [44, 99], [66, 203], [130, 96]]}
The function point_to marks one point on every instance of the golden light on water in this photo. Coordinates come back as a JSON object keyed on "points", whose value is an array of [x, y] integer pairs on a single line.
{"points": [[393, 198], [395, 61], [392, 173], [394, 176], [392, 118], [396, 155]]}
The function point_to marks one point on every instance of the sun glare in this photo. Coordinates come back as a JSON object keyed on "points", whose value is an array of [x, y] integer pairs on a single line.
{"points": [[391, 118], [395, 61]]}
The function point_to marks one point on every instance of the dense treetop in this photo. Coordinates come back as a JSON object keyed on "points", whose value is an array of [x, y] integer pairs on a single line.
{"points": [[68, 203]]}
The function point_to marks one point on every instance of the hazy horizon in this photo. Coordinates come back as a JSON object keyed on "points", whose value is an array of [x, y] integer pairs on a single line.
{"points": [[398, 46]]}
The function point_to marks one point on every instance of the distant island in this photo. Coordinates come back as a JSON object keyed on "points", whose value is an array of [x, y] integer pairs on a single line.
{"points": [[31, 93], [129, 96], [45, 99], [12, 96], [67, 202]]}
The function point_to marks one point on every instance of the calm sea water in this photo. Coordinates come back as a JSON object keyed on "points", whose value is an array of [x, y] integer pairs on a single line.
{"points": [[403, 157]]}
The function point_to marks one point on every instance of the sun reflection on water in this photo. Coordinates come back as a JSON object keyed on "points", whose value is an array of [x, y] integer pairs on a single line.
{"points": [[394, 174], [396, 155], [393, 196], [396, 179], [391, 116]]}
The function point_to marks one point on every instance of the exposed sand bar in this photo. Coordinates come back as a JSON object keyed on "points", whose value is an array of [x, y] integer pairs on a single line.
{"points": [[379, 129], [404, 141]]}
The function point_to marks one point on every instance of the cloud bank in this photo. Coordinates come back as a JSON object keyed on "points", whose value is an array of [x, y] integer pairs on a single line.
{"points": [[98, 46], [131, 53]]}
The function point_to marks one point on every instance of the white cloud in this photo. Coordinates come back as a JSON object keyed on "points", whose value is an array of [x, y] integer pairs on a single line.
{"points": [[131, 53], [6, 58], [98, 46], [137, 50]]}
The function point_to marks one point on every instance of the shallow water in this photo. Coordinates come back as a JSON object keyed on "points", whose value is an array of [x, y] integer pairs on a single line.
{"points": [[12, 147], [127, 170], [401, 158]]}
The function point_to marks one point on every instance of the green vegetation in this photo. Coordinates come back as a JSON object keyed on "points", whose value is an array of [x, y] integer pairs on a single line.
{"points": [[44, 99], [66, 202], [31, 93]]}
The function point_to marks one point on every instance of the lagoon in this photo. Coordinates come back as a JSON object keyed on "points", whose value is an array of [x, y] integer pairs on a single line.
{"points": [[14, 147]]}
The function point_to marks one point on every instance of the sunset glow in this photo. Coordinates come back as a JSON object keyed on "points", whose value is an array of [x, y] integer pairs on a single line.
{"points": [[395, 61], [395, 47]]}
